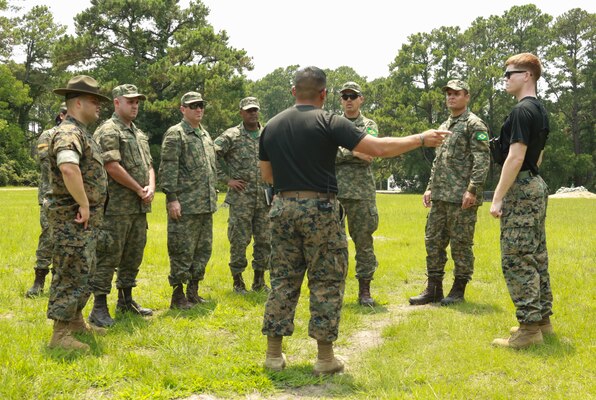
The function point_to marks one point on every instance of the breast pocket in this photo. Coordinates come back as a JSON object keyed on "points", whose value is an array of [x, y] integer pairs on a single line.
{"points": [[458, 146], [129, 150]]}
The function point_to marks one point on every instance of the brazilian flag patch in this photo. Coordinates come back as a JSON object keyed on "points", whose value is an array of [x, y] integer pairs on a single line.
{"points": [[372, 131], [482, 136]]}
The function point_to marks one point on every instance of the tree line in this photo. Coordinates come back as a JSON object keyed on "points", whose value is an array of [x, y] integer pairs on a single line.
{"points": [[167, 50]]}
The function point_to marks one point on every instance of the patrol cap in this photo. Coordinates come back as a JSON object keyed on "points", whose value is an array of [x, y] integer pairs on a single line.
{"points": [[457, 84], [129, 91], [249, 102], [353, 86], [82, 84], [191, 97], [63, 106]]}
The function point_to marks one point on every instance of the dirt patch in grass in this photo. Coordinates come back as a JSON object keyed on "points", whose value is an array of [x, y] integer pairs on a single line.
{"points": [[574, 195]]}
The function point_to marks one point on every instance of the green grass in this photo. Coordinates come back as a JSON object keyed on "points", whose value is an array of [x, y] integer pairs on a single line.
{"points": [[392, 352]]}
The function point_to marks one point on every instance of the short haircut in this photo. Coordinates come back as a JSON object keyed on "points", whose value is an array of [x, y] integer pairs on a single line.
{"points": [[528, 61], [309, 81]]}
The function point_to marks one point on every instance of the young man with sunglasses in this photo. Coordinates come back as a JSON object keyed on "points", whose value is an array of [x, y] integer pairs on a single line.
{"points": [[356, 192], [188, 176], [238, 148], [454, 193], [520, 202], [131, 187]]}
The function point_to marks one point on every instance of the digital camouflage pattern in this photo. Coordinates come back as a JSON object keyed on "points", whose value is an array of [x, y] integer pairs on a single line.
{"points": [[355, 179], [248, 215], [448, 224], [461, 164], [129, 147], [190, 240], [524, 257], [187, 172], [462, 161], [74, 247], [123, 236], [356, 192], [306, 238], [43, 253]]}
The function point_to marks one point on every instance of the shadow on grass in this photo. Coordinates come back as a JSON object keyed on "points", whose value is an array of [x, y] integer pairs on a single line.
{"points": [[254, 298], [198, 311], [299, 380], [474, 308], [63, 355], [365, 310], [553, 347]]}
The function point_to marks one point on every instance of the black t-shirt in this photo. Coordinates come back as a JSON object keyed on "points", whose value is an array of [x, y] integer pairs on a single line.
{"points": [[528, 124], [301, 144]]}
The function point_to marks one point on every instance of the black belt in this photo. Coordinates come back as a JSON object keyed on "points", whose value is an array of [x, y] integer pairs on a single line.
{"points": [[305, 194]]}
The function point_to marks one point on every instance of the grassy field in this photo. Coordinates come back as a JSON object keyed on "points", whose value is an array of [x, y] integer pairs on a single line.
{"points": [[393, 351]]}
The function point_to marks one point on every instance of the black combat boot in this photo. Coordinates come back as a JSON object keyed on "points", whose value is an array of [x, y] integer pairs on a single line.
{"points": [[100, 315], [179, 301], [258, 284], [239, 286], [432, 294], [127, 304], [38, 284], [364, 298], [192, 293], [456, 294]]}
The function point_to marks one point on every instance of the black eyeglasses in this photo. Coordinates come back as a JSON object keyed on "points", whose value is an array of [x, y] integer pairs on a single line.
{"points": [[194, 106], [351, 96], [508, 74]]}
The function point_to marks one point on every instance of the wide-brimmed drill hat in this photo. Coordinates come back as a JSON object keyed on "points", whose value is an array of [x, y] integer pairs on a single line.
{"points": [[457, 84], [249, 102], [129, 91], [82, 84]]}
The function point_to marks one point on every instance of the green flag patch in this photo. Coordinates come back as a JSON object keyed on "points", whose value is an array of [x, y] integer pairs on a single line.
{"points": [[482, 136], [372, 131]]}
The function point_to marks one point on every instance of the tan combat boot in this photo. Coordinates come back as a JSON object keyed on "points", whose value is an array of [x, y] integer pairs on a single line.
{"points": [[525, 336], [545, 326], [275, 360], [327, 363], [79, 325], [62, 338]]}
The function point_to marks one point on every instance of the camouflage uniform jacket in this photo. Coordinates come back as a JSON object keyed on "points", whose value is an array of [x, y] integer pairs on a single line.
{"points": [[355, 179], [187, 171], [43, 161], [240, 151], [462, 161], [129, 147], [72, 135]]}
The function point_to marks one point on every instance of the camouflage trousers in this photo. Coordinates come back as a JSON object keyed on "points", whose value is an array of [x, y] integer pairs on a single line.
{"points": [[120, 248], [306, 239], [244, 222], [43, 254], [524, 257], [363, 221], [447, 224], [73, 263], [190, 240]]}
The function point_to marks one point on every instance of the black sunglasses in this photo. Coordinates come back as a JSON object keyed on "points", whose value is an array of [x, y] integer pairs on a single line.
{"points": [[351, 96], [194, 106], [508, 74]]}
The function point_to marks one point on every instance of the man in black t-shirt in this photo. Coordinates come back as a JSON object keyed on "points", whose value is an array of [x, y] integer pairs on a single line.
{"points": [[297, 152], [520, 201]]}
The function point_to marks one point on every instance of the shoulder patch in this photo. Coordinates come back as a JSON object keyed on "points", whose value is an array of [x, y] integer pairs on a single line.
{"points": [[372, 131], [481, 136]]}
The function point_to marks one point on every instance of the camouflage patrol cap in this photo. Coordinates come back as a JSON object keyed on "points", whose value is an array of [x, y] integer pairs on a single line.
{"points": [[353, 86], [191, 97], [457, 84], [249, 102], [129, 91]]}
